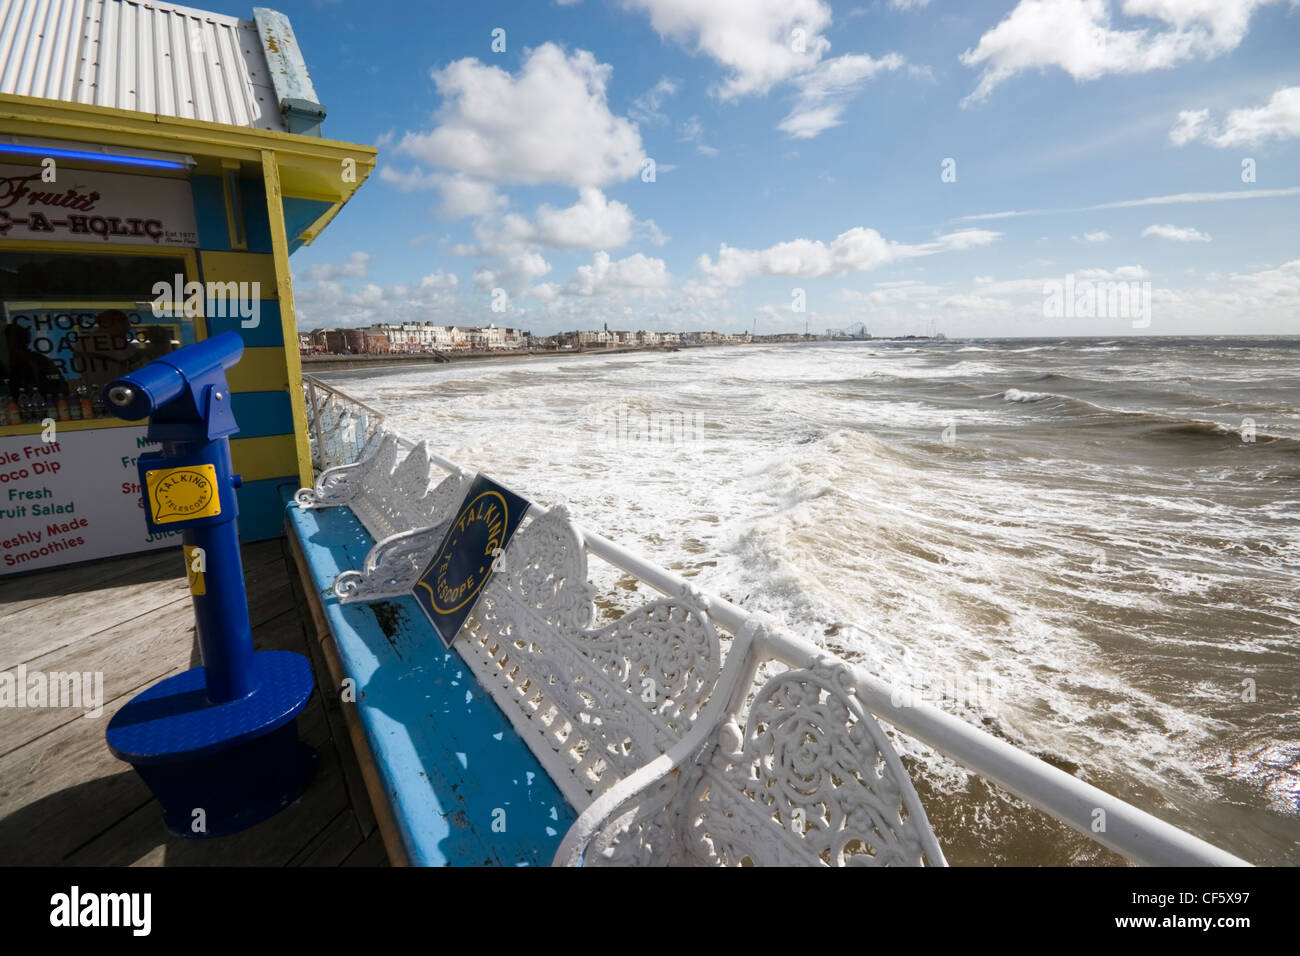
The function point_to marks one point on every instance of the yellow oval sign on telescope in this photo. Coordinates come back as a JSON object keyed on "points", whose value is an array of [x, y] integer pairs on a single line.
{"points": [[181, 494]]}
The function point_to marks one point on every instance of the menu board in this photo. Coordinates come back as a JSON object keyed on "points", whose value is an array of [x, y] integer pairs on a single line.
{"points": [[75, 498]]}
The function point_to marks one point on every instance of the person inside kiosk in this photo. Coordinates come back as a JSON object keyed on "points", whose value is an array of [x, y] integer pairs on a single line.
{"points": [[72, 323]]}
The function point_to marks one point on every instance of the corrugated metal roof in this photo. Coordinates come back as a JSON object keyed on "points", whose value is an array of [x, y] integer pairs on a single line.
{"points": [[151, 57]]}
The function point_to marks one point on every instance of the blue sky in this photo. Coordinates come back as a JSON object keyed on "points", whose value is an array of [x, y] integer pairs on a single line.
{"points": [[799, 152]]}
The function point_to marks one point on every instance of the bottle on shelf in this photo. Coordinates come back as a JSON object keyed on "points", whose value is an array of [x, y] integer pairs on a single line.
{"points": [[83, 401], [13, 414], [25, 405], [51, 407], [65, 413]]}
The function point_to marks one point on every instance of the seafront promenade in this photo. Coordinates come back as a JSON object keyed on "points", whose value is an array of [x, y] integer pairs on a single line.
{"points": [[329, 362]]}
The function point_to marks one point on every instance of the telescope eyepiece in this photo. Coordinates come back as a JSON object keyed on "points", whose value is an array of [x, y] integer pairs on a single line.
{"points": [[121, 395]]}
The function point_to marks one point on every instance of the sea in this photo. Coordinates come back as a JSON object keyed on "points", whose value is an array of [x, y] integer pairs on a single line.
{"points": [[1087, 547]]}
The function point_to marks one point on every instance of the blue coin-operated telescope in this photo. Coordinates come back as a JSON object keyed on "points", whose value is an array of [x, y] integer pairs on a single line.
{"points": [[218, 745]]}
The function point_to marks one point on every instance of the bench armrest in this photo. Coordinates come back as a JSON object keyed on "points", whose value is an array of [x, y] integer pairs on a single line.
{"points": [[655, 786], [341, 484]]}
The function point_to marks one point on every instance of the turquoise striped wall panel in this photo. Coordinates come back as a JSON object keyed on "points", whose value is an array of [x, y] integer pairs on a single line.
{"points": [[262, 413], [267, 333], [261, 507], [210, 213], [257, 220], [298, 215]]}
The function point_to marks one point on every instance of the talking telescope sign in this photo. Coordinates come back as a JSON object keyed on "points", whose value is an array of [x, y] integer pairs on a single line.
{"points": [[470, 551]]}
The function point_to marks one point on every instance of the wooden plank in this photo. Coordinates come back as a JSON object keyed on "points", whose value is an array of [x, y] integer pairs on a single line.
{"points": [[83, 610], [62, 790], [124, 659], [273, 842], [332, 845], [62, 622], [64, 798], [135, 654], [377, 797], [369, 853], [18, 594], [329, 689]]}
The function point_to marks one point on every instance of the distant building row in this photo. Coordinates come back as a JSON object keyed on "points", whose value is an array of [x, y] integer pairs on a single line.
{"points": [[427, 337], [410, 337]]}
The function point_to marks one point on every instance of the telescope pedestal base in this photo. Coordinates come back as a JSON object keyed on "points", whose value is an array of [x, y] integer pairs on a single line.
{"points": [[238, 762]]}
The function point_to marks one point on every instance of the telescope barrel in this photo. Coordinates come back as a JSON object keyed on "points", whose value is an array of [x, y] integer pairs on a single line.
{"points": [[144, 391], [137, 395]]}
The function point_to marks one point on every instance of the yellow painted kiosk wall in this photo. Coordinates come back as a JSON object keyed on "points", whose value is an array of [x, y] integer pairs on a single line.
{"points": [[238, 244], [68, 488], [246, 198]]}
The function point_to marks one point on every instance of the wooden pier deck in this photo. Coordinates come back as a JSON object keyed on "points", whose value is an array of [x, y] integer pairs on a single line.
{"points": [[66, 800]]}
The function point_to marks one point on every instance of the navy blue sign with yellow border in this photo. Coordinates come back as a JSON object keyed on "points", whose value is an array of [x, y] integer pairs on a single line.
{"points": [[452, 581]]}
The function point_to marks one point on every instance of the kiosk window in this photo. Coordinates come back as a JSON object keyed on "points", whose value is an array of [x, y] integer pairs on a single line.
{"points": [[74, 322]]}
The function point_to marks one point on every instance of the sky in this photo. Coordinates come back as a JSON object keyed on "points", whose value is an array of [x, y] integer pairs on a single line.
{"points": [[790, 165]]}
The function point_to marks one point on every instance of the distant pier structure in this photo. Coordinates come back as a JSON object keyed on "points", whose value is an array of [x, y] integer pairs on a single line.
{"points": [[853, 333]]}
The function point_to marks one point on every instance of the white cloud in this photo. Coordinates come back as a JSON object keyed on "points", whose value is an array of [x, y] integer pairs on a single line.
{"points": [[824, 91], [1176, 233], [856, 250], [809, 122], [908, 4], [1174, 199], [1111, 275], [636, 272], [976, 303], [549, 123], [592, 222], [408, 180], [692, 131], [462, 196], [1077, 36], [1278, 119], [356, 267], [330, 303], [646, 107], [1100, 235], [751, 38], [764, 43], [513, 272]]}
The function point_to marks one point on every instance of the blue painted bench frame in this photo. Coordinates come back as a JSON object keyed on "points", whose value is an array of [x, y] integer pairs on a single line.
{"points": [[464, 790]]}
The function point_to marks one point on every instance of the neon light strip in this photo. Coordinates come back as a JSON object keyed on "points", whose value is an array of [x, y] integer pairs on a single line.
{"points": [[96, 157]]}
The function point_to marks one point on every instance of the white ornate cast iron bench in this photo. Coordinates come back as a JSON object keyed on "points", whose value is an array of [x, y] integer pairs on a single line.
{"points": [[644, 741]]}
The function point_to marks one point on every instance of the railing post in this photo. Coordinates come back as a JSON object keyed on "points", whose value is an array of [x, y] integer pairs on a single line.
{"points": [[315, 419]]}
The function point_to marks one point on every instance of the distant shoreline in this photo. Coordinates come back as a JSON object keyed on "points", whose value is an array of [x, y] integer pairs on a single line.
{"points": [[338, 363], [330, 363]]}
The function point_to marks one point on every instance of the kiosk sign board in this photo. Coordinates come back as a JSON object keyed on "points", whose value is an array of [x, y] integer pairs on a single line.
{"points": [[81, 206], [75, 498]]}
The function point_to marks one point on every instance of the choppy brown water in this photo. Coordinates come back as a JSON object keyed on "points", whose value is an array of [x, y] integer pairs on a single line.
{"points": [[1072, 543]]}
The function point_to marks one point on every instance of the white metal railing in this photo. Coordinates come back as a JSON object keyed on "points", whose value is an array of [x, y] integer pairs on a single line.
{"points": [[1129, 831], [341, 427]]}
